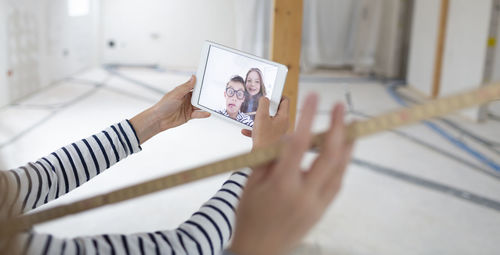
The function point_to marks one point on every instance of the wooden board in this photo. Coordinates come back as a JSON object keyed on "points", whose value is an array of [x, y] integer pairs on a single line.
{"points": [[286, 45], [438, 66]]}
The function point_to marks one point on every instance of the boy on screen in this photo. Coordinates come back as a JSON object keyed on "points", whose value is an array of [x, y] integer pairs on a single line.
{"points": [[235, 95]]}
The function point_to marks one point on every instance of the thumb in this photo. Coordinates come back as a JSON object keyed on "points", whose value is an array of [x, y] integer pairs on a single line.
{"points": [[199, 115], [263, 108], [185, 88]]}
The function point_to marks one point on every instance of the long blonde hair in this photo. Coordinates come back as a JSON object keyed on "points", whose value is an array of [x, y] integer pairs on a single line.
{"points": [[262, 90]]}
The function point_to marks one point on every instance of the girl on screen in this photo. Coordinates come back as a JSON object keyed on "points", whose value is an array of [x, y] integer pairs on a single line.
{"points": [[254, 85]]}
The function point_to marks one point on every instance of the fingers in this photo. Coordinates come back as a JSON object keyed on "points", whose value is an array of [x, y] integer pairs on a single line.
{"points": [[198, 111], [328, 169], [246, 132], [300, 141], [283, 109], [199, 115], [335, 135], [323, 165], [185, 88], [344, 159], [303, 130], [332, 187], [263, 108]]}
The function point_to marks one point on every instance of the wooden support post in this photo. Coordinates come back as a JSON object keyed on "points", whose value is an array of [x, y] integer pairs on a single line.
{"points": [[438, 64], [286, 44]]}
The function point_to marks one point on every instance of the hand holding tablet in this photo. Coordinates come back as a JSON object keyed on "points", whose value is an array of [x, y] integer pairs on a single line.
{"points": [[230, 84]]}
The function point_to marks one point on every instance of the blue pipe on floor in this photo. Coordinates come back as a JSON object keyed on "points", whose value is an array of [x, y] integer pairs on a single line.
{"points": [[391, 89]]}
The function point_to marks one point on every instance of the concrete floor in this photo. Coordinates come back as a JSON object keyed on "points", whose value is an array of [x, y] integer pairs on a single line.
{"points": [[399, 197]]}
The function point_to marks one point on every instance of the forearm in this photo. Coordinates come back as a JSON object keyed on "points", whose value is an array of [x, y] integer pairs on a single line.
{"points": [[56, 174], [208, 231], [146, 124]]}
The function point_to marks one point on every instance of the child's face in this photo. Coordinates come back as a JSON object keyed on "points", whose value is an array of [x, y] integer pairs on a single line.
{"points": [[253, 83], [235, 95]]}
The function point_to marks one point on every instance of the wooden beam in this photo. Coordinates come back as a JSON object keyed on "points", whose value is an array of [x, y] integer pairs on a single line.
{"points": [[286, 44], [438, 61]]}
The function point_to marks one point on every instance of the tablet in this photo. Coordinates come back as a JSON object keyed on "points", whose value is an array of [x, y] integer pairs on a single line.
{"points": [[230, 83]]}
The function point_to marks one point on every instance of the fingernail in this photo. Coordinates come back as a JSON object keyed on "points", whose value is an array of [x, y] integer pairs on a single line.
{"points": [[191, 78]]}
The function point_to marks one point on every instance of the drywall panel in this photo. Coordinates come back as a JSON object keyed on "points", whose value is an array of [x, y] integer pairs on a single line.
{"points": [[496, 44], [43, 44], [24, 37], [465, 47], [71, 40], [167, 32], [495, 106], [253, 33], [388, 56], [423, 45], [3, 46]]}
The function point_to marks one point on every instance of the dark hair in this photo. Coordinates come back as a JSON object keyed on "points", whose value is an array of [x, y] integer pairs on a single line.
{"points": [[262, 90], [236, 78]]}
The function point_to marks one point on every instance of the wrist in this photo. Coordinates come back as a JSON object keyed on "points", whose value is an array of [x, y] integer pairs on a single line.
{"points": [[146, 124]]}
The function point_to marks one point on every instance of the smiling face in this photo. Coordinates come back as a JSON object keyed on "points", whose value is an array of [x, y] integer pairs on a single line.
{"points": [[253, 83], [233, 103]]}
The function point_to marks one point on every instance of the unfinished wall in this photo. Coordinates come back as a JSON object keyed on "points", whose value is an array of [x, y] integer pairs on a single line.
{"points": [[166, 32], [42, 44], [496, 63], [3, 58], [389, 56], [25, 23], [423, 45], [71, 41], [464, 49], [495, 106]]}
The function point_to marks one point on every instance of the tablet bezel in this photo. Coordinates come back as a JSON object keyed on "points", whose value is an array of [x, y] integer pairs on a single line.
{"points": [[275, 95]]}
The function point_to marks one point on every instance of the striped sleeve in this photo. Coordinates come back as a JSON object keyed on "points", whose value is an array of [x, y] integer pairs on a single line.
{"points": [[38, 182], [207, 231], [245, 119]]}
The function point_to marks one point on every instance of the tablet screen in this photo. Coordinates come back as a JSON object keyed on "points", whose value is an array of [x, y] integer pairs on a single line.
{"points": [[232, 84]]}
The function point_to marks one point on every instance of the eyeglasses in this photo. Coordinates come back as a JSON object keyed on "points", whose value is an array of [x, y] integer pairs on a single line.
{"points": [[240, 94]]}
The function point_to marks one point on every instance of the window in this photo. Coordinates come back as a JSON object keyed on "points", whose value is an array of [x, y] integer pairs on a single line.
{"points": [[78, 7]]}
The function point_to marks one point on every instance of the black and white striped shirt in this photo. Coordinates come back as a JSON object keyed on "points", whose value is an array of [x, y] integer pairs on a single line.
{"points": [[241, 117], [206, 232]]}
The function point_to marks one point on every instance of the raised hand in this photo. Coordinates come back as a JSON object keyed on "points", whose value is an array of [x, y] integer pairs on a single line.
{"points": [[281, 202], [174, 109], [268, 130]]}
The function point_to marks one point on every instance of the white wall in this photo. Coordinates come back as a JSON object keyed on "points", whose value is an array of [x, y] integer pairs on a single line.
{"points": [[495, 106], [166, 32], [25, 39], [253, 33], [465, 45], [43, 44], [71, 41], [3, 65], [465, 48], [423, 45], [388, 55], [496, 63]]}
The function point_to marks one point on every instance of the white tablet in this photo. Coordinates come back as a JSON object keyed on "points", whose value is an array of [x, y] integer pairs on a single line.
{"points": [[230, 83]]}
